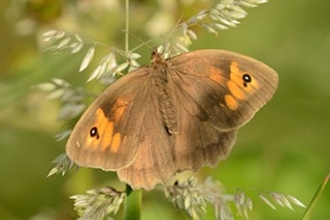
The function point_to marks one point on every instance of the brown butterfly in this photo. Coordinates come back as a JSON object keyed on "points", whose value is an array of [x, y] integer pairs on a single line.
{"points": [[176, 114]]}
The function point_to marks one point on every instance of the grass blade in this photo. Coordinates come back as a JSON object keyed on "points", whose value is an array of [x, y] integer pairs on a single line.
{"points": [[317, 195]]}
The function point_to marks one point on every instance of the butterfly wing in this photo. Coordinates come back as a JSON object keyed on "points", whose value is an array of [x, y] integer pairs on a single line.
{"points": [[123, 131], [198, 143], [216, 93], [107, 135], [227, 88]]}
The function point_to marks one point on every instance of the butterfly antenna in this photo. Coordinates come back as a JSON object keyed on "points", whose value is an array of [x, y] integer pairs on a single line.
{"points": [[167, 46], [170, 32], [164, 48], [143, 43]]}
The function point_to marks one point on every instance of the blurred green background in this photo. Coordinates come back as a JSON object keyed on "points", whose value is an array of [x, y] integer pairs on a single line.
{"points": [[285, 148]]}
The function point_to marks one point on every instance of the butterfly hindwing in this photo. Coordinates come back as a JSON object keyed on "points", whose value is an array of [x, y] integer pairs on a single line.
{"points": [[203, 146]]}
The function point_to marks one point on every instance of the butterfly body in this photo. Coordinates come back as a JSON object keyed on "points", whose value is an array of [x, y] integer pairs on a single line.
{"points": [[161, 74], [176, 114]]}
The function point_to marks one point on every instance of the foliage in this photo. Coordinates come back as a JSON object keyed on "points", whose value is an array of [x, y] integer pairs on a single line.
{"points": [[193, 198], [98, 204]]}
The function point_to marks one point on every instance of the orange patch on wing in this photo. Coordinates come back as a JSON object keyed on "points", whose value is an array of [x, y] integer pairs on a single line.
{"points": [[104, 125], [119, 112], [231, 102], [99, 119], [236, 90], [215, 75], [107, 135], [119, 109], [234, 69], [115, 144], [105, 129], [236, 77], [235, 83]]}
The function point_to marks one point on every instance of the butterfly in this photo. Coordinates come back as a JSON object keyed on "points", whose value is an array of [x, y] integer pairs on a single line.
{"points": [[175, 114]]}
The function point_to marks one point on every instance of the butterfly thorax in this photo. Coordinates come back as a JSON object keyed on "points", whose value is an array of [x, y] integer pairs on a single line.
{"points": [[161, 70]]}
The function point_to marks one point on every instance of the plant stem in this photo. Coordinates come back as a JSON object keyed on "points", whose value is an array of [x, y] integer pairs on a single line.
{"points": [[132, 204], [127, 26]]}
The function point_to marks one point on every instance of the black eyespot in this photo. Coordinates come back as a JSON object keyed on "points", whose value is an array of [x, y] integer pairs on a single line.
{"points": [[93, 132], [246, 79]]}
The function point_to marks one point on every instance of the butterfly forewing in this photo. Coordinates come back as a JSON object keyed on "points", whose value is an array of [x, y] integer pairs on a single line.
{"points": [[228, 88], [107, 135]]}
